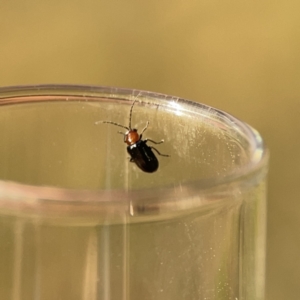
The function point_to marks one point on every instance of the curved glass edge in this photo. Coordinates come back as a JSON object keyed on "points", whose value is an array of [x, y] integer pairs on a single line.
{"points": [[47, 200]]}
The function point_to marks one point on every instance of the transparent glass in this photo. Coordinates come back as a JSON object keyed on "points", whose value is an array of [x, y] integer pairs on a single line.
{"points": [[79, 221]]}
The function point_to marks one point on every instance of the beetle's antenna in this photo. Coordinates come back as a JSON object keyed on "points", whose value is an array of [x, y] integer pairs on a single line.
{"points": [[130, 114], [113, 123]]}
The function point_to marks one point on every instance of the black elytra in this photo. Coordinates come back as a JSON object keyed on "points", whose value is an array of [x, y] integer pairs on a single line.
{"points": [[140, 153]]}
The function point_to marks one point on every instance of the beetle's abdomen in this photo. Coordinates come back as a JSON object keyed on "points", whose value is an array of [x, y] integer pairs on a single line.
{"points": [[143, 156]]}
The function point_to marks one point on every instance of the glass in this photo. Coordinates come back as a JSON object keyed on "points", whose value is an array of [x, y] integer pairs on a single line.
{"points": [[79, 221]]}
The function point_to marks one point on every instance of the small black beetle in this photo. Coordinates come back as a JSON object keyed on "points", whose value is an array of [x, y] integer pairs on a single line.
{"points": [[141, 154]]}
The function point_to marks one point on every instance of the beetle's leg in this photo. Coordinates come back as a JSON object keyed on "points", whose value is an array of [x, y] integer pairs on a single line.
{"points": [[131, 159], [166, 155], [124, 134], [147, 124], [146, 140]]}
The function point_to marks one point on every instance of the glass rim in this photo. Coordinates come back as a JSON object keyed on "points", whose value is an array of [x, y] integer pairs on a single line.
{"points": [[257, 163]]}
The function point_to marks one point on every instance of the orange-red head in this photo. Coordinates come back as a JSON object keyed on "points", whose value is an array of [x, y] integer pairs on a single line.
{"points": [[131, 137]]}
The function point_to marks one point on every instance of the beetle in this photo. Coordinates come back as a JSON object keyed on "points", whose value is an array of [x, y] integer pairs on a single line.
{"points": [[140, 153]]}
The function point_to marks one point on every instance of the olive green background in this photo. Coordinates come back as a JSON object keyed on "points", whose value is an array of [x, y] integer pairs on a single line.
{"points": [[240, 56]]}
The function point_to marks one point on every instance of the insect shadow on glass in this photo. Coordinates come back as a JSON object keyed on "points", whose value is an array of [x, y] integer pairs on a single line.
{"points": [[140, 153]]}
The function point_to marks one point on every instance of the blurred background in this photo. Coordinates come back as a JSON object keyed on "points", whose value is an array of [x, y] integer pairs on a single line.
{"points": [[240, 56]]}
